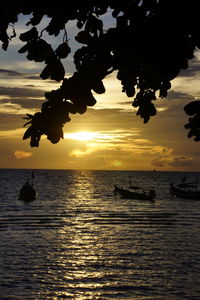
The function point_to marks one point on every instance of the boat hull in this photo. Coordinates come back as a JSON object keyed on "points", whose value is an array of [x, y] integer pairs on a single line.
{"points": [[27, 193], [124, 193], [177, 192]]}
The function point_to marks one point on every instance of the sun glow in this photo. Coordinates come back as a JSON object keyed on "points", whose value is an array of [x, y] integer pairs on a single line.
{"points": [[81, 136], [101, 136]]}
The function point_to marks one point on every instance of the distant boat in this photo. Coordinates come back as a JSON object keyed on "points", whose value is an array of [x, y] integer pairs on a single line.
{"points": [[135, 192], [27, 192], [185, 190]]}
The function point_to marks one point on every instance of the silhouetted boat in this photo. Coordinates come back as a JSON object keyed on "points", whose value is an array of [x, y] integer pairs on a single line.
{"points": [[185, 190], [27, 192], [135, 192]]}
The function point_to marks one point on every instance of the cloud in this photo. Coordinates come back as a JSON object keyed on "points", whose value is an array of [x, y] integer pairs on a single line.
{"points": [[21, 92], [123, 149], [80, 153], [193, 67], [17, 96], [16, 109], [187, 84], [181, 160], [11, 73], [177, 95], [29, 103], [192, 71], [127, 149], [131, 154], [143, 141], [173, 160], [13, 133], [14, 75], [116, 163], [22, 154]]}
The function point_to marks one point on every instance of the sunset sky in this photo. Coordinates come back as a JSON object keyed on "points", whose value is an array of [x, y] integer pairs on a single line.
{"points": [[107, 136]]}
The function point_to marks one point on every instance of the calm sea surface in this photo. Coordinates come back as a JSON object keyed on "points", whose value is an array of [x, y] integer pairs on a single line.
{"points": [[78, 240]]}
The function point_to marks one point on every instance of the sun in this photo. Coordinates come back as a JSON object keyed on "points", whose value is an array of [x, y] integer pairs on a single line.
{"points": [[81, 135]]}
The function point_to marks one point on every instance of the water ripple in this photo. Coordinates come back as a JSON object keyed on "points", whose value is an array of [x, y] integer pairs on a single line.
{"points": [[79, 241]]}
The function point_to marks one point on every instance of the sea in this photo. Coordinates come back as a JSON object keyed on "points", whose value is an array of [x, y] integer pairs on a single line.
{"points": [[78, 240]]}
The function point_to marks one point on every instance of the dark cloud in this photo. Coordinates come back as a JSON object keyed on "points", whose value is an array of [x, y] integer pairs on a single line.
{"points": [[10, 73], [174, 161], [192, 70], [10, 121], [173, 106], [25, 103], [126, 102], [33, 77], [181, 161], [158, 163], [17, 92], [173, 95]]}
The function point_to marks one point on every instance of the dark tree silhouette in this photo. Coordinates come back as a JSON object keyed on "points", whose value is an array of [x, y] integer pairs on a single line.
{"points": [[150, 43]]}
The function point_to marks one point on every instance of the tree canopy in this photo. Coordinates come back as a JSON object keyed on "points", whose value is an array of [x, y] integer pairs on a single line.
{"points": [[151, 41]]}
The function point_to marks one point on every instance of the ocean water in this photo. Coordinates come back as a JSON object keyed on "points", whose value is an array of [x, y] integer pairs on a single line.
{"points": [[79, 241]]}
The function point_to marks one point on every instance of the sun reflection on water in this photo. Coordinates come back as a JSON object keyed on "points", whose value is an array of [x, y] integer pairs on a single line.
{"points": [[79, 241], [80, 253]]}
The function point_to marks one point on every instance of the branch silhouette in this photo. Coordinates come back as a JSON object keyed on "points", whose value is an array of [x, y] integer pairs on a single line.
{"points": [[149, 44]]}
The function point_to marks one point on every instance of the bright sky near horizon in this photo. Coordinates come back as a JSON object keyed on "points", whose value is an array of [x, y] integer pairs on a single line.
{"points": [[108, 136]]}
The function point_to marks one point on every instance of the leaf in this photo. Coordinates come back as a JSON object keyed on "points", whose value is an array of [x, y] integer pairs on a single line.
{"points": [[28, 133], [29, 35], [5, 45], [57, 71], [98, 87], [63, 50], [24, 48], [36, 19], [192, 108], [46, 73]]}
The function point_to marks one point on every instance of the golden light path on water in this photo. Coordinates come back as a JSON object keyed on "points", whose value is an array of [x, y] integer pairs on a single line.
{"points": [[81, 259]]}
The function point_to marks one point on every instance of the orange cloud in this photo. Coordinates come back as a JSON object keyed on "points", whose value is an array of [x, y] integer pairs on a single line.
{"points": [[22, 154]]}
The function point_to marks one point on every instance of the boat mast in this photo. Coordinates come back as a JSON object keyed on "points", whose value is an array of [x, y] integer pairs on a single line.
{"points": [[32, 176], [130, 181]]}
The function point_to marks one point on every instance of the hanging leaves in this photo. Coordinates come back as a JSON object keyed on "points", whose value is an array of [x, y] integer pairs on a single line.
{"points": [[142, 46]]}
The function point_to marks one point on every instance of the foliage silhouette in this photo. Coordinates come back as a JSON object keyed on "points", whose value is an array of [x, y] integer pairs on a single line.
{"points": [[150, 43]]}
